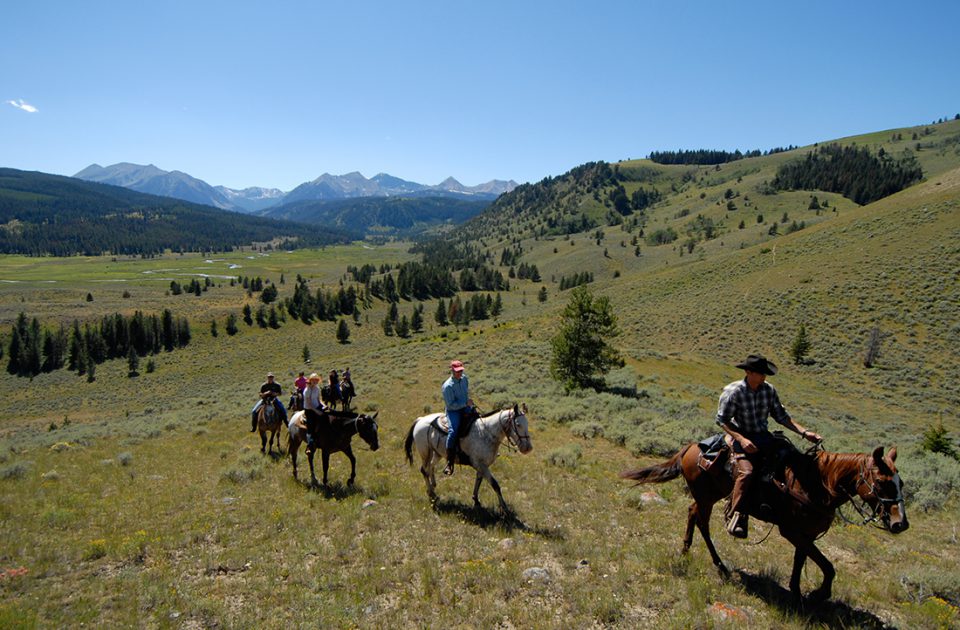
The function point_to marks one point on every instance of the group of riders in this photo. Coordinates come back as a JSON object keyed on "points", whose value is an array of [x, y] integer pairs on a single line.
{"points": [[743, 412], [307, 394]]}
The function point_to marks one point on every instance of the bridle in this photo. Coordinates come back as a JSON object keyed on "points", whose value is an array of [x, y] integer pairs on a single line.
{"points": [[884, 504], [512, 424], [356, 426]]}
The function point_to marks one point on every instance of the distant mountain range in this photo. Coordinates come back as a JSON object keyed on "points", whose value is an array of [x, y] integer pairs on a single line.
{"points": [[43, 214], [255, 200]]}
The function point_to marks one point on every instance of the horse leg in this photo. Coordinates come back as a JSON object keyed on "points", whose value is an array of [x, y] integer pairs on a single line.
{"points": [[805, 548], [799, 558], [294, 448], [263, 441], [484, 472], [476, 490], [821, 593], [313, 475], [353, 465], [325, 457], [702, 515]]}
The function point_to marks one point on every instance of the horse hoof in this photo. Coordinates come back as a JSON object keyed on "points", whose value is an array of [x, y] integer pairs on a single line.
{"points": [[723, 570], [349, 482]]}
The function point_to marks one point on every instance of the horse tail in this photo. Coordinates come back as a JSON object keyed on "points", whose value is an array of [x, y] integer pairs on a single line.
{"points": [[408, 444], [658, 473]]}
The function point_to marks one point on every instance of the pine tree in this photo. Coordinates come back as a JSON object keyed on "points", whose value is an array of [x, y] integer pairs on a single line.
{"points": [[232, 324], [441, 315], [801, 346], [497, 308], [580, 348], [306, 354], [133, 362], [213, 328], [343, 331], [416, 321], [247, 315], [403, 327], [542, 294], [388, 326]]}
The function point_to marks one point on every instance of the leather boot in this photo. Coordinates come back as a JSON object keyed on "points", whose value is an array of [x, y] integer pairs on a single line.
{"points": [[737, 527], [451, 458]]}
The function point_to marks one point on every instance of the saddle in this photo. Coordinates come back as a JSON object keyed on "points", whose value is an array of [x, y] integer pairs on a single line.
{"points": [[442, 424], [715, 454]]}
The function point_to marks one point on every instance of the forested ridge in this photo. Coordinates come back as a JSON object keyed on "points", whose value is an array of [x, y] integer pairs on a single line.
{"points": [[43, 214], [402, 216], [854, 172]]}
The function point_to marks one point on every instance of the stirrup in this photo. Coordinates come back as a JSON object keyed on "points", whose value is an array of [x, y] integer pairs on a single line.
{"points": [[448, 469], [738, 525]]}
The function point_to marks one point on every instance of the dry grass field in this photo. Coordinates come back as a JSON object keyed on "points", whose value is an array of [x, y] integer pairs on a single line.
{"points": [[145, 501]]}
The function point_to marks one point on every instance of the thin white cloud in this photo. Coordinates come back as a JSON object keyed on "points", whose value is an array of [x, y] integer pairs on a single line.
{"points": [[25, 106]]}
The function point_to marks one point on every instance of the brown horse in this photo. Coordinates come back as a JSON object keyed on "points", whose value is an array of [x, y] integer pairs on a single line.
{"points": [[268, 419], [333, 433], [813, 487]]}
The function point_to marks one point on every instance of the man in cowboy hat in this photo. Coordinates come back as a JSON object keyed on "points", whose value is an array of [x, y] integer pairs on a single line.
{"points": [[457, 402], [269, 389], [742, 413]]}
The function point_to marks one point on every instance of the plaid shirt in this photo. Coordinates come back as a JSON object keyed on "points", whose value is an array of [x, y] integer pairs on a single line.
{"points": [[746, 410]]}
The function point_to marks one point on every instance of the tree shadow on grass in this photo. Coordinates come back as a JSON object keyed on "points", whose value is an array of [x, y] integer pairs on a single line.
{"points": [[489, 519], [831, 613]]}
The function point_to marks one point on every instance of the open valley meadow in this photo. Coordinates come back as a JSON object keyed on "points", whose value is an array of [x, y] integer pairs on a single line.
{"points": [[699, 261], [144, 500]]}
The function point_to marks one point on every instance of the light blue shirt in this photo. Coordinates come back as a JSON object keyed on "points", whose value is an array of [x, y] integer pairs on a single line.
{"points": [[455, 393]]}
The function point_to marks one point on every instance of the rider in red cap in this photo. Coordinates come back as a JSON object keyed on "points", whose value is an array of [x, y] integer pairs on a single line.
{"points": [[457, 401]]}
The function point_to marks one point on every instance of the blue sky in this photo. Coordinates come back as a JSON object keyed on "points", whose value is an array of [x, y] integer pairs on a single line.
{"points": [[276, 93]]}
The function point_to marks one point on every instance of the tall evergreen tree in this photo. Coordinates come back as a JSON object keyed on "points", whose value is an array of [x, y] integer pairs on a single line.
{"points": [[581, 350], [343, 331]]}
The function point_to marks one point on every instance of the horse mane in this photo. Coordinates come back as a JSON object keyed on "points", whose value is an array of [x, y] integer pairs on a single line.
{"points": [[834, 468]]}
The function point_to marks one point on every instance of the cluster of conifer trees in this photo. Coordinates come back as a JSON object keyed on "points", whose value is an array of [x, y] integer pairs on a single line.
{"points": [[710, 156], [323, 304], [584, 277], [852, 171], [33, 349]]}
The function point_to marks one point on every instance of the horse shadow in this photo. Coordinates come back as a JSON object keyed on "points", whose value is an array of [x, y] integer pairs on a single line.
{"points": [[336, 490], [493, 519], [831, 613]]}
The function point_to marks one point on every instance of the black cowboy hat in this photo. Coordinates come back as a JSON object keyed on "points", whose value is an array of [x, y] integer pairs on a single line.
{"points": [[758, 363]]}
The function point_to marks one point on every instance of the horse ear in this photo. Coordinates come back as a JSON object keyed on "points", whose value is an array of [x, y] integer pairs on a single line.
{"points": [[374, 416], [524, 408], [516, 409], [892, 454], [878, 460]]}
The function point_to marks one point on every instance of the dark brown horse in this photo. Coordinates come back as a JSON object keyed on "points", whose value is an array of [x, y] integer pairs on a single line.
{"points": [[803, 504], [268, 419], [332, 434]]}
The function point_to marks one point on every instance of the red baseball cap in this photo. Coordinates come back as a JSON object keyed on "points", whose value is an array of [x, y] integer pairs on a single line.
{"points": [[456, 366]]}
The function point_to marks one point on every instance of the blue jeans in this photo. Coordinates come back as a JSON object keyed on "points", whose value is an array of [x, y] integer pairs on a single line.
{"points": [[279, 405], [455, 416]]}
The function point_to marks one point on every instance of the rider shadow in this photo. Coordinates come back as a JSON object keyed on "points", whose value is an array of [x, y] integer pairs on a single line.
{"points": [[487, 519], [832, 614]]}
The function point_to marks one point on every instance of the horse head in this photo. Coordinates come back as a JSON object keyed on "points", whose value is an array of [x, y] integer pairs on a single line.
{"points": [[881, 488], [367, 430], [519, 429]]}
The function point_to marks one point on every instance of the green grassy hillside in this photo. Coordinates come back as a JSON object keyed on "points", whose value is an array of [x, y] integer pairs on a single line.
{"points": [[145, 501]]}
